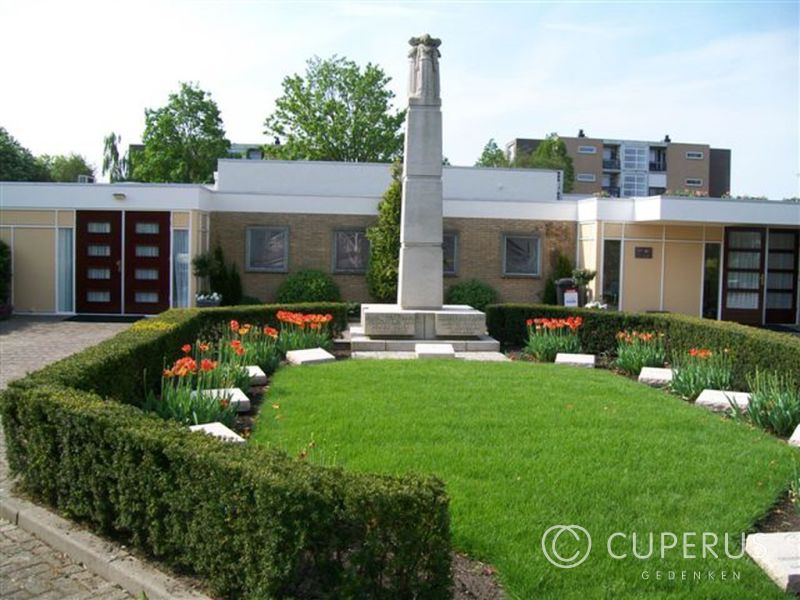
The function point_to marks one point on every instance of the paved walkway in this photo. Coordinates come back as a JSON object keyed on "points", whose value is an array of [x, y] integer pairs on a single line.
{"points": [[28, 567], [29, 343]]}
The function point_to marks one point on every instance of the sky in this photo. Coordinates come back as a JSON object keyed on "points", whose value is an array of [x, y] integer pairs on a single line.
{"points": [[722, 73]]}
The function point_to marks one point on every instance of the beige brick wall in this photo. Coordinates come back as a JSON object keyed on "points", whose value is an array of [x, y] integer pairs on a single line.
{"points": [[679, 168], [311, 245], [586, 163]]}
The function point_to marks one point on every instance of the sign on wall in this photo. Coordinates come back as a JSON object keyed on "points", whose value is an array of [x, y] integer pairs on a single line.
{"points": [[643, 252]]}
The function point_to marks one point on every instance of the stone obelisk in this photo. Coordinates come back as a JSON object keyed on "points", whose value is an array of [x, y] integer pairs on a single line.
{"points": [[420, 270]]}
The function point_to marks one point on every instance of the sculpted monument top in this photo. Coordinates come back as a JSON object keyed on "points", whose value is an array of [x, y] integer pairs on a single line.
{"points": [[423, 80]]}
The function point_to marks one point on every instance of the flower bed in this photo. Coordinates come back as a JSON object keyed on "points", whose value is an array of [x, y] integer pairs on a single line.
{"points": [[637, 349], [250, 521], [549, 337]]}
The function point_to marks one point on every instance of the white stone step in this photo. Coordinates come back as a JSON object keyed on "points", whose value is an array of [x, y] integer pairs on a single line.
{"points": [[237, 397], [360, 343], [219, 430], [424, 350], [655, 376], [310, 356], [257, 375], [575, 360], [795, 439], [720, 400], [778, 554]]}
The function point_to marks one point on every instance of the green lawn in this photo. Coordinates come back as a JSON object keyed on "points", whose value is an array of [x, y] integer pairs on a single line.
{"points": [[523, 447]]}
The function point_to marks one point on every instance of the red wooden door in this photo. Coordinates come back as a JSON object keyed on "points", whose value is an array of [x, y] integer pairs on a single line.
{"points": [[98, 261], [147, 259], [743, 279]]}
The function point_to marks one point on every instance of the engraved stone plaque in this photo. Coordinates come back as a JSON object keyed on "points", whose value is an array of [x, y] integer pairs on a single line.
{"points": [[389, 323], [460, 324]]}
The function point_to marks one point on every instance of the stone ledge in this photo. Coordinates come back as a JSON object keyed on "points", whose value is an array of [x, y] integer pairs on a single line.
{"points": [[257, 375], [218, 430], [655, 376], [235, 396], [778, 554], [795, 439], [721, 400], [439, 351], [309, 356], [575, 360]]}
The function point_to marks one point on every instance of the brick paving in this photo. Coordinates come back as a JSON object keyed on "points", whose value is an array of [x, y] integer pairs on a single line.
{"points": [[29, 568]]}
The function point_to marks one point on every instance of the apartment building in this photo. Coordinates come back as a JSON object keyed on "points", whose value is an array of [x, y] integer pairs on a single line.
{"points": [[632, 168]]}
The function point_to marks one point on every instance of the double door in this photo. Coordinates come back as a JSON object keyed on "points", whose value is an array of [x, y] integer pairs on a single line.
{"points": [[122, 262], [760, 275]]}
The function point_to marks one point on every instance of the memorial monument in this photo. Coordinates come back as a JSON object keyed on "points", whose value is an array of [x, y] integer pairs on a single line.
{"points": [[419, 314]]}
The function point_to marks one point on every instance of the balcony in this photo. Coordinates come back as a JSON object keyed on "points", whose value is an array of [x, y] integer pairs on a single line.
{"points": [[611, 163], [659, 166], [611, 190]]}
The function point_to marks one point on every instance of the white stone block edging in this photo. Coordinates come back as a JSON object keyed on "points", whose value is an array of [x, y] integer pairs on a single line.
{"points": [[237, 397], [795, 439], [434, 351], [576, 360], [310, 356], [218, 430], [778, 554], [722, 400], [655, 376], [257, 375]]}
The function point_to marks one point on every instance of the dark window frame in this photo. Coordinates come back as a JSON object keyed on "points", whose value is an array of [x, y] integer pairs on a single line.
{"points": [[248, 267], [335, 269], [537, 238]]}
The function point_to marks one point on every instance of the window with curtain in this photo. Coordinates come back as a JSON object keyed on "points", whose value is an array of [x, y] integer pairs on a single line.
{"points": [[65, 270], [521, 255], [450, 253], [180, 268], [351, 252], [612, 258], [267, 249]]}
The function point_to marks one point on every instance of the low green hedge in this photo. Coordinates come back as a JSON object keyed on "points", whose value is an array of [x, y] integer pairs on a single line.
{"points": [[121, 367], [251, 521], [752, 348]]}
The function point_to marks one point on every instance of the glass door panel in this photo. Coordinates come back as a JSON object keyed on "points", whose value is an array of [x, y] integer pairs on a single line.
{"points": [[743, 280], [782, 251]]}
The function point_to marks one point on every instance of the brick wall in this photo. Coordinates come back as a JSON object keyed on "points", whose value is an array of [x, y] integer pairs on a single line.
{"points": [[480, 252]]}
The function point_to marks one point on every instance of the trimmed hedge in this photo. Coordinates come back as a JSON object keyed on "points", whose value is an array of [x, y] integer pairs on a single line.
{"points": [[251, 521], [121, 367], [752, 348]]}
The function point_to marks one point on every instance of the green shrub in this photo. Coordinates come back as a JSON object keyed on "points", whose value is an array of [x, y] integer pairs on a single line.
{"points": [[562, 267], [700, 369], [384, 242], [774, 404], [309, 285], [473, 292], [637, 349], [754, 348], [249, 520], [224, 279]]}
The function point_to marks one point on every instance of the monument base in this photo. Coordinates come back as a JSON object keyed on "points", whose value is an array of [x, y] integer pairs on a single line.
{"points": [[388, 327]]}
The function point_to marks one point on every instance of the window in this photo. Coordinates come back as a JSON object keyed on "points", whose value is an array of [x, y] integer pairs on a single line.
{"points": [[93, 227], [350, 252], [147, 228], [711, 280], [656, 191], [65, 269], [267, 249], [98, 250], [146, 251], [180, 268], [98, 296], [695, 155], [521, 255], [587, 150], [450, 253], [612, 255], [98, 274], [147, 274], [587, 177], [634, 184], [634, 158], [694, 182], [146, 297]]}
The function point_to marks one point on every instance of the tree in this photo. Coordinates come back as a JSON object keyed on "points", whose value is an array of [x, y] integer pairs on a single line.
{"points": [[384, 240], [492, 156], [182, 140], [118, 168], [66, 168], [17, 163], [551, 153], [337, 111]]}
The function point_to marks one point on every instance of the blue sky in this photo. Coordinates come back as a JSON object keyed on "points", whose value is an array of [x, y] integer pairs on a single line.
{"points": [[724, 73]]}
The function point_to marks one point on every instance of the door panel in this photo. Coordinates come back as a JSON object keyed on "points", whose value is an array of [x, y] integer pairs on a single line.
{"points": [[98, 262], [147, 260], [743, 281], [782, 251]]}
